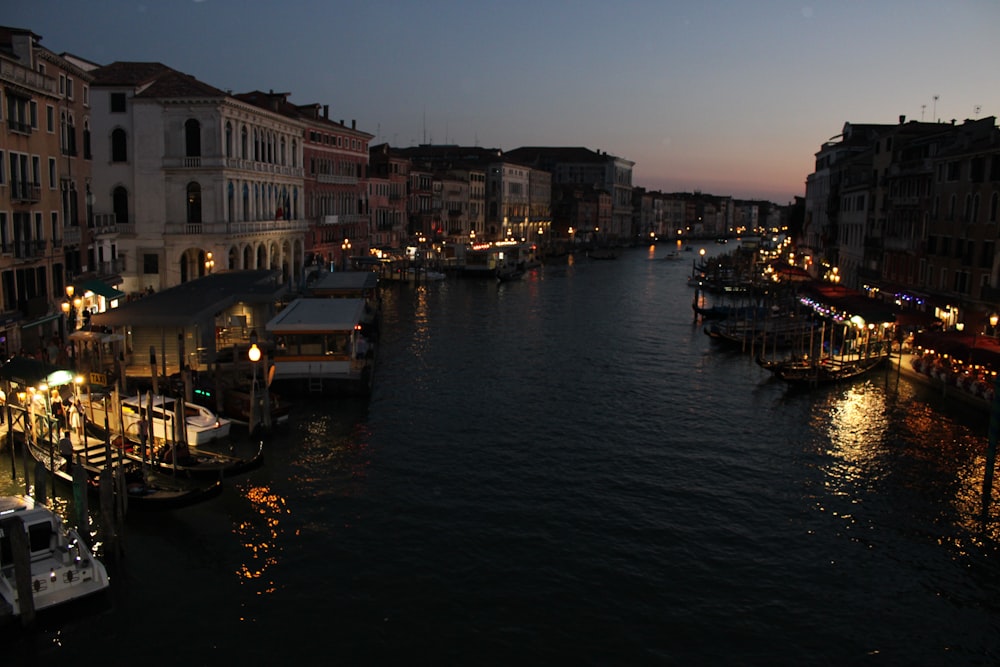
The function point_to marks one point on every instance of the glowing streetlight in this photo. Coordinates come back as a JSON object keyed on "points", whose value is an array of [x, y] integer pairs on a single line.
{"points": [[254, 355], [209, 262], [345, 248]]}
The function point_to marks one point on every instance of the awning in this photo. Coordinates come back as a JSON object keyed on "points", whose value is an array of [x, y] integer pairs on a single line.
{"points": [[101, 288], [40, 321]]}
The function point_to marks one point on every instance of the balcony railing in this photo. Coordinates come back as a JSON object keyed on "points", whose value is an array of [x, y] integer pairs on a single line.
{"points": [[29, 249], [18, 126], [336, 179], [21, 191], [112, 267], [256, 227]]}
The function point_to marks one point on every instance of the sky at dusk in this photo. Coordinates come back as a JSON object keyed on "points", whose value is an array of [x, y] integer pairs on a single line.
{"points": [[729, 98]]}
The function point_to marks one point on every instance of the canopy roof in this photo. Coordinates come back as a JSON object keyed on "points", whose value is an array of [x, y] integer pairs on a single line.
{"points": [[318, 316], [28, 372]]}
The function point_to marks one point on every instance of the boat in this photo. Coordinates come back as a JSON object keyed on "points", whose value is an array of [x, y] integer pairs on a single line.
{"points": [[421, 274], [145, 488], [672, 256], [236, 400], [823, 370], [509, 274], [166, 452], [62, 567], [202, 425], [603, 253]]}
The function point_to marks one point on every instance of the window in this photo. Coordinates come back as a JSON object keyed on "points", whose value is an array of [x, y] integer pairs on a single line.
{"points": [[86, 141], [52, 173], [119, 201], [117, 102], [62, 84], [56, 236], [192, 138], [119, 145], [4, 234], [994, 201], [229, 139], [50, 118], [193, 203], [69, 87], [18, 114], [86, 96], [150, 263]]}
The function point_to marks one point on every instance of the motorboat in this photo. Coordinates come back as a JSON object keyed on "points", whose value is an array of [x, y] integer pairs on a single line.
{"points": [[202, 426], [62, 567]]}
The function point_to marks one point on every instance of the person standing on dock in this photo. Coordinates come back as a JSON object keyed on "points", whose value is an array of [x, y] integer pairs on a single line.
{"points": [[76, 421]]}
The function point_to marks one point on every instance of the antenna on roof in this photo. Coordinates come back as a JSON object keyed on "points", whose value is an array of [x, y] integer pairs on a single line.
{"points": [[934, 117]]}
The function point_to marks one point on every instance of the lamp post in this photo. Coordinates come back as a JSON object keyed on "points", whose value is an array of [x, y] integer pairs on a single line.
{"points": [[209, 263], [994, 318], [254, 355], [345, 248]]}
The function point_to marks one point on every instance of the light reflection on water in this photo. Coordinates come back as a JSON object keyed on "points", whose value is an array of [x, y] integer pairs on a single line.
{"points": [[565, 470]]}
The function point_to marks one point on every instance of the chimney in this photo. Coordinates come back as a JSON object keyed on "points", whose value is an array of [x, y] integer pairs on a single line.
{"points": [[902, 119], [354, 124], [326, 111]]}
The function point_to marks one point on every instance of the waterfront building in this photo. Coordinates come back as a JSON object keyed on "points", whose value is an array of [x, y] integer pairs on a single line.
{"points": [[49, 236], [194, 178], [335, 161], [388, 177], [582, 166]]}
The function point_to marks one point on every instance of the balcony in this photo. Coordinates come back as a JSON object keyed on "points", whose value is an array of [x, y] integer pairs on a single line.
{"points": [[334, 179], [29, 249], [229, 229], [112, 267], [18, 127], [23, 192]]}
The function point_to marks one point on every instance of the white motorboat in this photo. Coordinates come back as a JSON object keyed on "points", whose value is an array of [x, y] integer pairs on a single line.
{"points": [[62, 567], [202, 425]]}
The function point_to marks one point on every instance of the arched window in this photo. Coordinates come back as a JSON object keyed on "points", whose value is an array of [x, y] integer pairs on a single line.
{"points": [[974, 216], [295, 153], [192, 138], [951, 208], [281, 153], [119, 145], [193, 203], [246, 202], [244, 142], [230, 202], [229, 139], [967, 209], [119, 202], [994, 202]]}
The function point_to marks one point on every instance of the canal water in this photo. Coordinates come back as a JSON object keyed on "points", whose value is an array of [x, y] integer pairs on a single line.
{"points": [[566, 470]]}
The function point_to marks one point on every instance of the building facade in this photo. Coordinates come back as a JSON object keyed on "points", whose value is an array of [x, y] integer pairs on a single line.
{"points": [[194, 178]]}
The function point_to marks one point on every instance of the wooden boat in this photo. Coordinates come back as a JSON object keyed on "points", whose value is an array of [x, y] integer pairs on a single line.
{"points": [[165, 451], [62, 567], [236, 400], [825, 369], [509, 274], [146, 489]]}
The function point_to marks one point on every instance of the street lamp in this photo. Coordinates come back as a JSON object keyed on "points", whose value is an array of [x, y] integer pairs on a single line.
{"points": [[254, 355], [345, 248], [209, 262], [994, 318]]}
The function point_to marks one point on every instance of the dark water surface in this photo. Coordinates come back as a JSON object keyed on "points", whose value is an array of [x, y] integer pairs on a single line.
{"points": [[565, 471]]}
